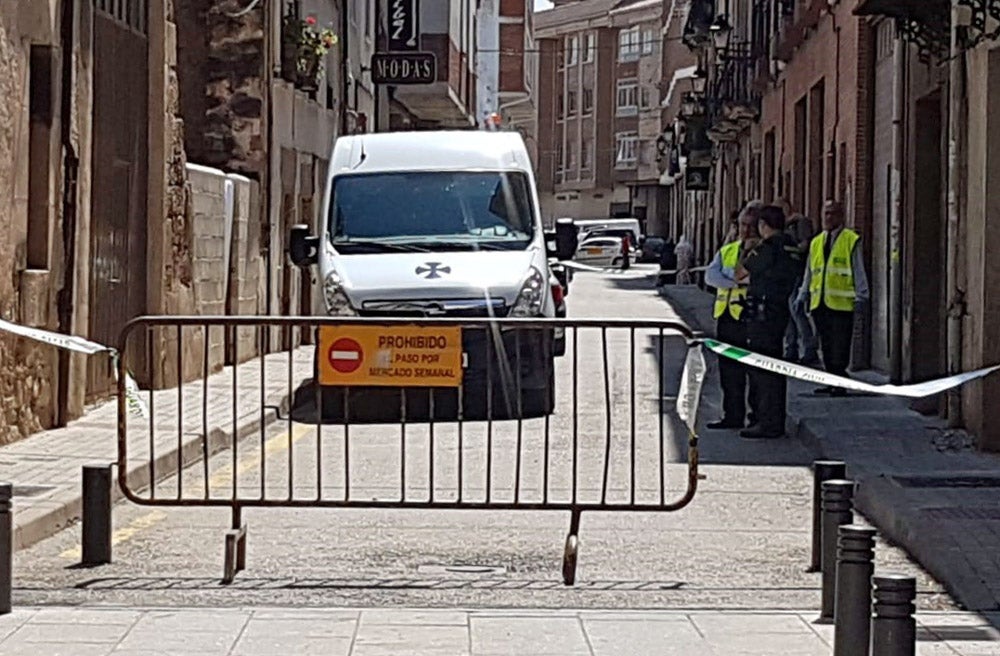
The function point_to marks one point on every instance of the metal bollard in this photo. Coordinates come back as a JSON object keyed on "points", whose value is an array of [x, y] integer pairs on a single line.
{"points": [[96, 515], [823, 470], [894, 631], [838, 509], [853, 612], [6, 547]]}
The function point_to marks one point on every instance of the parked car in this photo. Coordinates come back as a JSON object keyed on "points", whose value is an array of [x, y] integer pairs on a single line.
{"points": [[651, 249], [600, 252]]}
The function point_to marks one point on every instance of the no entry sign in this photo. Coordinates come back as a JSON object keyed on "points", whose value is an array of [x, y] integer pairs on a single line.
{"points": [[391, 356], [346, 355]]}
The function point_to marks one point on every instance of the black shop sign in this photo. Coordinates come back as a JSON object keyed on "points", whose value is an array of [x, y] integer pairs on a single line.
{"points": [[404, 68]]}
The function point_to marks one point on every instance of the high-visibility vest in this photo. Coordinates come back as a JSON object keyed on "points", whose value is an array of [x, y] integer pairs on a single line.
{"points": [[832, 280], [727, 298]]}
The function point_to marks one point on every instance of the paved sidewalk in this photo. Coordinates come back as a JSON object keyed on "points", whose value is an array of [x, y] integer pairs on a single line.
{"points": [[381, 632], [923, 485], [46, 468]]}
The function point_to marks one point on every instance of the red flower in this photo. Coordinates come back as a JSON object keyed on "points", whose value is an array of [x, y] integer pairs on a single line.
{"points": [[311, 20]]}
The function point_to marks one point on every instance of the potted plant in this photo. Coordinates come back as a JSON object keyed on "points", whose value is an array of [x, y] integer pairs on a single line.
{"points": [[305, 45]]}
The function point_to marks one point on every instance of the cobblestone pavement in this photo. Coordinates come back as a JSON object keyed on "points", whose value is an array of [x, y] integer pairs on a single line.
{"points": [[392, 632], [923, 485]]}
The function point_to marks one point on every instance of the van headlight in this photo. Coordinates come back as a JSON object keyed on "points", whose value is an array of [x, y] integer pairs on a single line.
{"points": [[531, 297], [337, 303]]}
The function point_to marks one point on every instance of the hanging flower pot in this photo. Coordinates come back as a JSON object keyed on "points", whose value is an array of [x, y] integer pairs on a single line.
{"points": [[309, 68], [304, 47]]}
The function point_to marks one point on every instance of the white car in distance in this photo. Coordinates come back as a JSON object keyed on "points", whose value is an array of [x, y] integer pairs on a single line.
{"points": [[600, 252]]}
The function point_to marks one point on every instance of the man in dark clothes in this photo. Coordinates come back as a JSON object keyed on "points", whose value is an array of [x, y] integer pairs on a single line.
{"points": [[774, 267], [668, 262]]}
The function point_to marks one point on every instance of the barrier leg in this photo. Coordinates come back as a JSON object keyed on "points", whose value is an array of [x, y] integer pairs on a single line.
{"points": [[838, 509], [572, 549], [853, 614], [894, 631], [823, 470], [235, 548], [6, 547], [96, 530]]}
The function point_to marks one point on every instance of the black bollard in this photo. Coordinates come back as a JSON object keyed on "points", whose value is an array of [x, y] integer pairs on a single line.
{"points": [[838, 509], [823, 470], [894, 631], [6, 547], [96, 515], [853, 612]]}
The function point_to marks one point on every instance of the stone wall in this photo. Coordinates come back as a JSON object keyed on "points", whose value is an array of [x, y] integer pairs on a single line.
{"points": [[234, 70], [27, 370], [225, 271]]}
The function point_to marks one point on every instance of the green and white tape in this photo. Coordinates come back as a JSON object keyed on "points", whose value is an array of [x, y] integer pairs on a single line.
{"points": [[914, 391], [81, 345]]}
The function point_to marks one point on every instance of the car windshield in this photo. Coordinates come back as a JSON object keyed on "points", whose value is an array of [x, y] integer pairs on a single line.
{"points": [[441, 210]]}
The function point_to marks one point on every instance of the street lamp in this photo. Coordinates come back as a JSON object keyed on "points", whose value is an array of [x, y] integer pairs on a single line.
{"points": [[699, 80], [720, 30]]}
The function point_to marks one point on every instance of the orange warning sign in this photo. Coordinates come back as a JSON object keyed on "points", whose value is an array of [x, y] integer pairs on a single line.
{"points": [[390, 356]]}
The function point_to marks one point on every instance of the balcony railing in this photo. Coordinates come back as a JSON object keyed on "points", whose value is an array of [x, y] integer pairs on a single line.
{"points": [[927, 23], [735, 103]]}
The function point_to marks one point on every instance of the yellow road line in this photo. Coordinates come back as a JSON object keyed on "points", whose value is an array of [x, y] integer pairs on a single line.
{"points": [[222, 477]]}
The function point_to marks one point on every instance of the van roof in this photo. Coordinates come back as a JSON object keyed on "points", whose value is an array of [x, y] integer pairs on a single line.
{"points": [[430, 151]]}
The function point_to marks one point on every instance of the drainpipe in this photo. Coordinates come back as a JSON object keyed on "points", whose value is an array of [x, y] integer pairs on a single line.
{"points": [[956, 292], [896, 211]]}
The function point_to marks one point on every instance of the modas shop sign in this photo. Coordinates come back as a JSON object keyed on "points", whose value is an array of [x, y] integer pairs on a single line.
{"points": [[404, 68]]}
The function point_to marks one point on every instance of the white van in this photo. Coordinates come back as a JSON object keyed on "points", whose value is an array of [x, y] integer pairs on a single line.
{"points": [[610, 228], [441, 224]]}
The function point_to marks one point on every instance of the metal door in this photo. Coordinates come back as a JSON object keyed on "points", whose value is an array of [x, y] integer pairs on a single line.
{"points": [[118, 207]]}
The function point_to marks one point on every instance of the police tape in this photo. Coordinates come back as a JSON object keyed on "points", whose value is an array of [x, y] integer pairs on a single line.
{"points": [[628, 273], [87, 347], [914, 391]]}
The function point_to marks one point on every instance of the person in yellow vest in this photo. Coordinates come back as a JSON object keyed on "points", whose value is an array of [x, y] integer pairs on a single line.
{"points": [[834, 286], [727, 276]]}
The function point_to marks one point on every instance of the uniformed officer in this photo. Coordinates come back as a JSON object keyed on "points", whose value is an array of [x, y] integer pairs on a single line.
{"points": [[773, 267], [726, 276], [835, 286]]}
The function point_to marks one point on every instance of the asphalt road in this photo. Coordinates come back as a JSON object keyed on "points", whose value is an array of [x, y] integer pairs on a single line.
{"points": [[742, 543]]}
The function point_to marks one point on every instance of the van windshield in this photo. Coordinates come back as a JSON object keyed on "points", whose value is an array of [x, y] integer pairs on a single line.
{"points": [[434, 211]]}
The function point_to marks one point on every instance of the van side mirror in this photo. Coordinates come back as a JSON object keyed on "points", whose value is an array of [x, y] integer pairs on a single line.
{"points": [[302, 247]]}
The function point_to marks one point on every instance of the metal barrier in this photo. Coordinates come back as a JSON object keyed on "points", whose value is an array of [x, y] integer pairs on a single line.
{"points": [[509, 425]]}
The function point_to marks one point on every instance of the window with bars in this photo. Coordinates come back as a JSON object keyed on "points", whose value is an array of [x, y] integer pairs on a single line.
{"points": [[130, 13]]}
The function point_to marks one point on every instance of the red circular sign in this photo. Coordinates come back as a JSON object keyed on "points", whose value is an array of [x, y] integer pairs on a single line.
{"points": [[345, 355]]}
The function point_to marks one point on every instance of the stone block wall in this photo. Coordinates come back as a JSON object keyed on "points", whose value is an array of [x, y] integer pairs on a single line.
{"points": [[226, 271]]}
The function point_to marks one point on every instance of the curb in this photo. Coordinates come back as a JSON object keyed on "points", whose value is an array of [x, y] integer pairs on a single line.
{"points": [[879, 501], [65, 508], [883, 504]]}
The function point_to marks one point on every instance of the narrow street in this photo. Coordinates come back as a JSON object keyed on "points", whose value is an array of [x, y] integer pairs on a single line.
{"points": [[742, 545]]}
